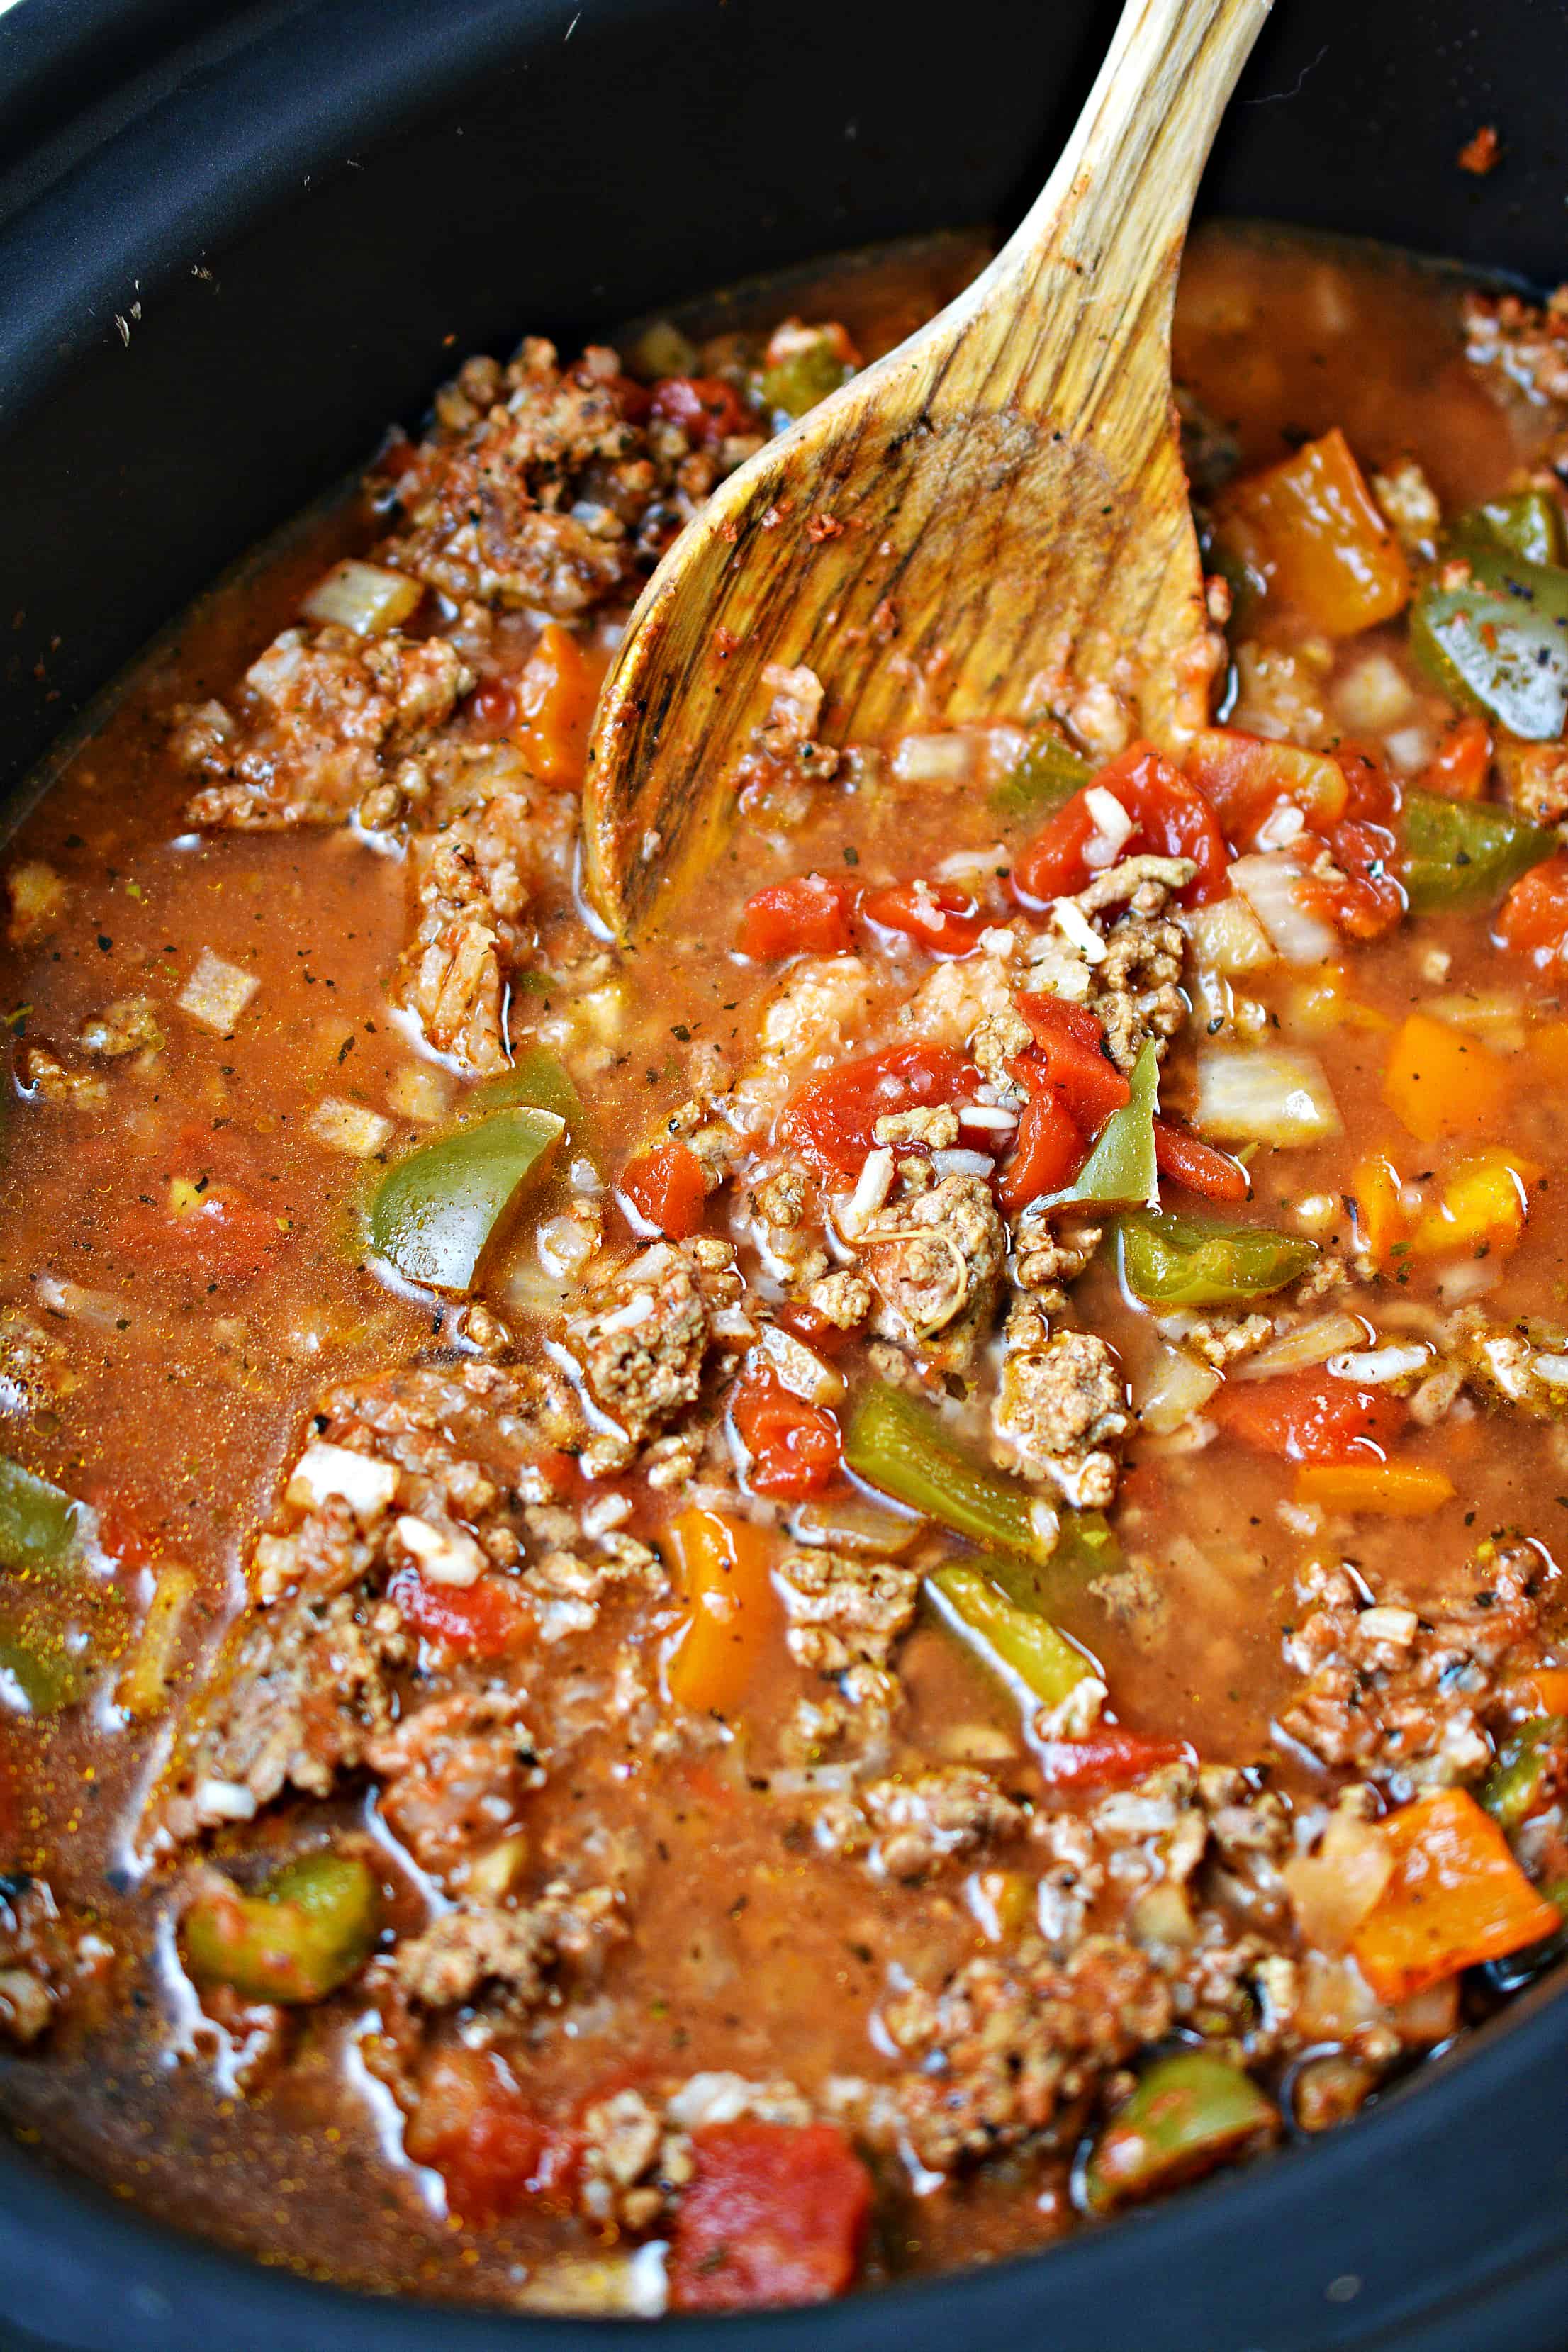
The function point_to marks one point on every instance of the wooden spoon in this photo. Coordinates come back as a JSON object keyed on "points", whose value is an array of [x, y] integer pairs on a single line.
{"points": [[991, 521]]}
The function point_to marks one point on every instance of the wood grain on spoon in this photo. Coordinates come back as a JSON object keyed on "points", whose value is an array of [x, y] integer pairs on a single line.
{"points": [[991, 521]]}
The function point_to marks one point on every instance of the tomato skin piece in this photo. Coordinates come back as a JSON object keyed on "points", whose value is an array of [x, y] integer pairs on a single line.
{"points": [[1051, 866], [808, 914], [1173, 818], [831, 1120], [940, 917], [665, 1187], [795, 1447], [1533, 919], [1373, 796], [1068, 1040], [1189, 1161], [1310, 1417], [483, 1620], [1106, 1759], [472, 2125], [774, 2213], [1050, 1146], [706, 408]]}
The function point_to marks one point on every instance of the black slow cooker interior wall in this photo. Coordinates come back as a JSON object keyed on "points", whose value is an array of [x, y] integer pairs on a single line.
{"points": [[294, 209], [307, 201]]}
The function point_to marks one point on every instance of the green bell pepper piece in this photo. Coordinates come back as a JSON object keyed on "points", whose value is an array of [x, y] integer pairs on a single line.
{"points": [[1463, 853], [1521, 1778], [1013, 1641], [49, 1675], [807, 376], [434, 1213], [1190, 2111], [1049, 773], [1500, 644], [540, 1080], [1174, 1261], [37, 1521], [1528, 523], [898, 1443], [309, 1927], [1121, 1172]]}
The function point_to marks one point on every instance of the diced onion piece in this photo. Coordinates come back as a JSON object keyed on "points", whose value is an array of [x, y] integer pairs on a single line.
{"points": [[1495, 1014], [216, 993], [946, 758], [1077, 930], [1174, 1389], [1281, 827], [966, 862], [444, 1554], [801, 1369], [344, 1126], [323, 1471], [1227, 937], [1552, 1370], [365, 597], [1264, 1093], [856, 1211], [1375, 1366], [1270, 883], [853, 1522], [1113, 828], [420, 1093], [1308, 1345], [961, 1163]]}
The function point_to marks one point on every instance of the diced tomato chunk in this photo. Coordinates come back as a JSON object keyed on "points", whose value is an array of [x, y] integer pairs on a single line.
{"points": [[1373, 795], [1051, 866], [706, 408], [472, 2125], [1311, 1417], [492, 708], [1368, 899], [1050, 1147], [121, 1528], [1068, 1039], [831, 1121], [774, 2213], [808, 914], [1188, 1160], [943, 919], [483, 1620], [1462, 761], [1170, 818], [808, 1323], [1105, 1759], [665, 1186], [795, 1447], [1533, 920]]}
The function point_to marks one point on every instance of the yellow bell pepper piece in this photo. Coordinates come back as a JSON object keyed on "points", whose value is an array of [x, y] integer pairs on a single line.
{"points": [[1457, 1896], [1389, 1490], [1438, 1081], [721, 1566], [1312, 529], [1323, 1002], [1483, 1205]]}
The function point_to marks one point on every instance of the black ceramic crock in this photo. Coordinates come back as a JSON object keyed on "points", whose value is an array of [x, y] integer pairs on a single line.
{"points": [[232, 241]]}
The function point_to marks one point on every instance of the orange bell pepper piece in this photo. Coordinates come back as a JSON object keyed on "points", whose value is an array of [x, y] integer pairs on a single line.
{"points": [[1482, 1206], [1381, 1216], [1438, 1081], [1550, 1684], [555, 697], [1312, 529], [1457, 1896], [1392, 1490], [721, 1564]]}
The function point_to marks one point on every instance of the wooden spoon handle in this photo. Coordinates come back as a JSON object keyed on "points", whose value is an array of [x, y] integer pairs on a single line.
{"points": [[1114, 211]]}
